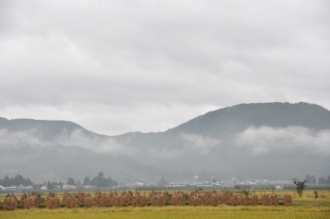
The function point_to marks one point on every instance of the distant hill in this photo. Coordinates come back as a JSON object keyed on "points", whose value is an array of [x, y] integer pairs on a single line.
{"points": [[214, 142], [56, 150], [44, 129], [237, 118], [261, 140]]}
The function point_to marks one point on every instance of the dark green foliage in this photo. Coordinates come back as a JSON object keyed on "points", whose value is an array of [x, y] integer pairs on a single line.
{"points": [[17, 180], [49, 186], [101, 174], [101, 181], [87, 181], [71, 181], [310, 179], [300, 186], [323, 180]]}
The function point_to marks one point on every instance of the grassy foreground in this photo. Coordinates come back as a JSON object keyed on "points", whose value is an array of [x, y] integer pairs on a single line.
{"points": [[171, 212], [305, 207]]}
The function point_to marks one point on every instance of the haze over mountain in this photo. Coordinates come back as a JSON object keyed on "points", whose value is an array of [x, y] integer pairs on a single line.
{"points": [[263, 140]]}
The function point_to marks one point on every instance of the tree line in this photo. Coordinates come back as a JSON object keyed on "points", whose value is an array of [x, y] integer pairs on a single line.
{"points": [[17, 180], [323, 180], [98, 181], [311, 179]]}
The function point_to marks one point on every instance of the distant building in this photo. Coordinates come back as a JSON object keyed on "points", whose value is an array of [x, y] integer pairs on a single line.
{"points": [[68, 187], [279, 188]]}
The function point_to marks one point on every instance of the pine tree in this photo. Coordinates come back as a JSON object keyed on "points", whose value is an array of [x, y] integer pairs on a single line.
{"points": [[71, 181], [49, 186], [86, 181], [313, 180]]}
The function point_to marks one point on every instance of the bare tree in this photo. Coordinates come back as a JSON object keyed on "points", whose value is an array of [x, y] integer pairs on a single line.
{"points": [[300, 186]]}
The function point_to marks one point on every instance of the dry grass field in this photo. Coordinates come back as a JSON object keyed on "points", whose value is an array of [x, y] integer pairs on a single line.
{"points": [[305, 207], [171, 212]]}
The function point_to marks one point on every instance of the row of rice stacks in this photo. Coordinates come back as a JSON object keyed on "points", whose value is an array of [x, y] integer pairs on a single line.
{"points": [[31, 200], [52, 201], [159, 199], [10, 202], [196, 198]]}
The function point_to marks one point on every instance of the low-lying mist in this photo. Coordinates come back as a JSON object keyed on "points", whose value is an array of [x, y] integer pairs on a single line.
{"points": [[264, 140]]}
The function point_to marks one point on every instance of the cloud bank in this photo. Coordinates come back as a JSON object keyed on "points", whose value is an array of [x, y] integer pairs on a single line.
{"points": [[161, 62], [30, 138], [200, 144], [265, 140]]}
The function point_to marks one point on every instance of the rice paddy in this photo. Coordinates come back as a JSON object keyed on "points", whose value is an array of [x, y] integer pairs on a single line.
{"points": [[305, 207]]}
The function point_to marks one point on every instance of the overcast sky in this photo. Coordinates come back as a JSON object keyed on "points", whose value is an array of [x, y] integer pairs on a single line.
{"points": [[120, 66]]}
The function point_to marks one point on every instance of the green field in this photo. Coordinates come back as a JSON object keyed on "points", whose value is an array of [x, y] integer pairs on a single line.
{"points": [[305, 207]]}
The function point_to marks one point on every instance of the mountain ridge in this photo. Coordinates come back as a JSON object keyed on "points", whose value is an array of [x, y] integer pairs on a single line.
{"points": [[71, 125], [236, 108], [245, 139]]}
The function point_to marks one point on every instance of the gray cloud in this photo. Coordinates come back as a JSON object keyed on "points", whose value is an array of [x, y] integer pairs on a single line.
{"points": [[200, 144], [265, 140], [168, 60], [15, 139], [30, 138]]}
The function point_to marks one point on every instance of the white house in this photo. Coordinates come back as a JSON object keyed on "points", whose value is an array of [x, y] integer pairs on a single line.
{"points": [[68, 187]]}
